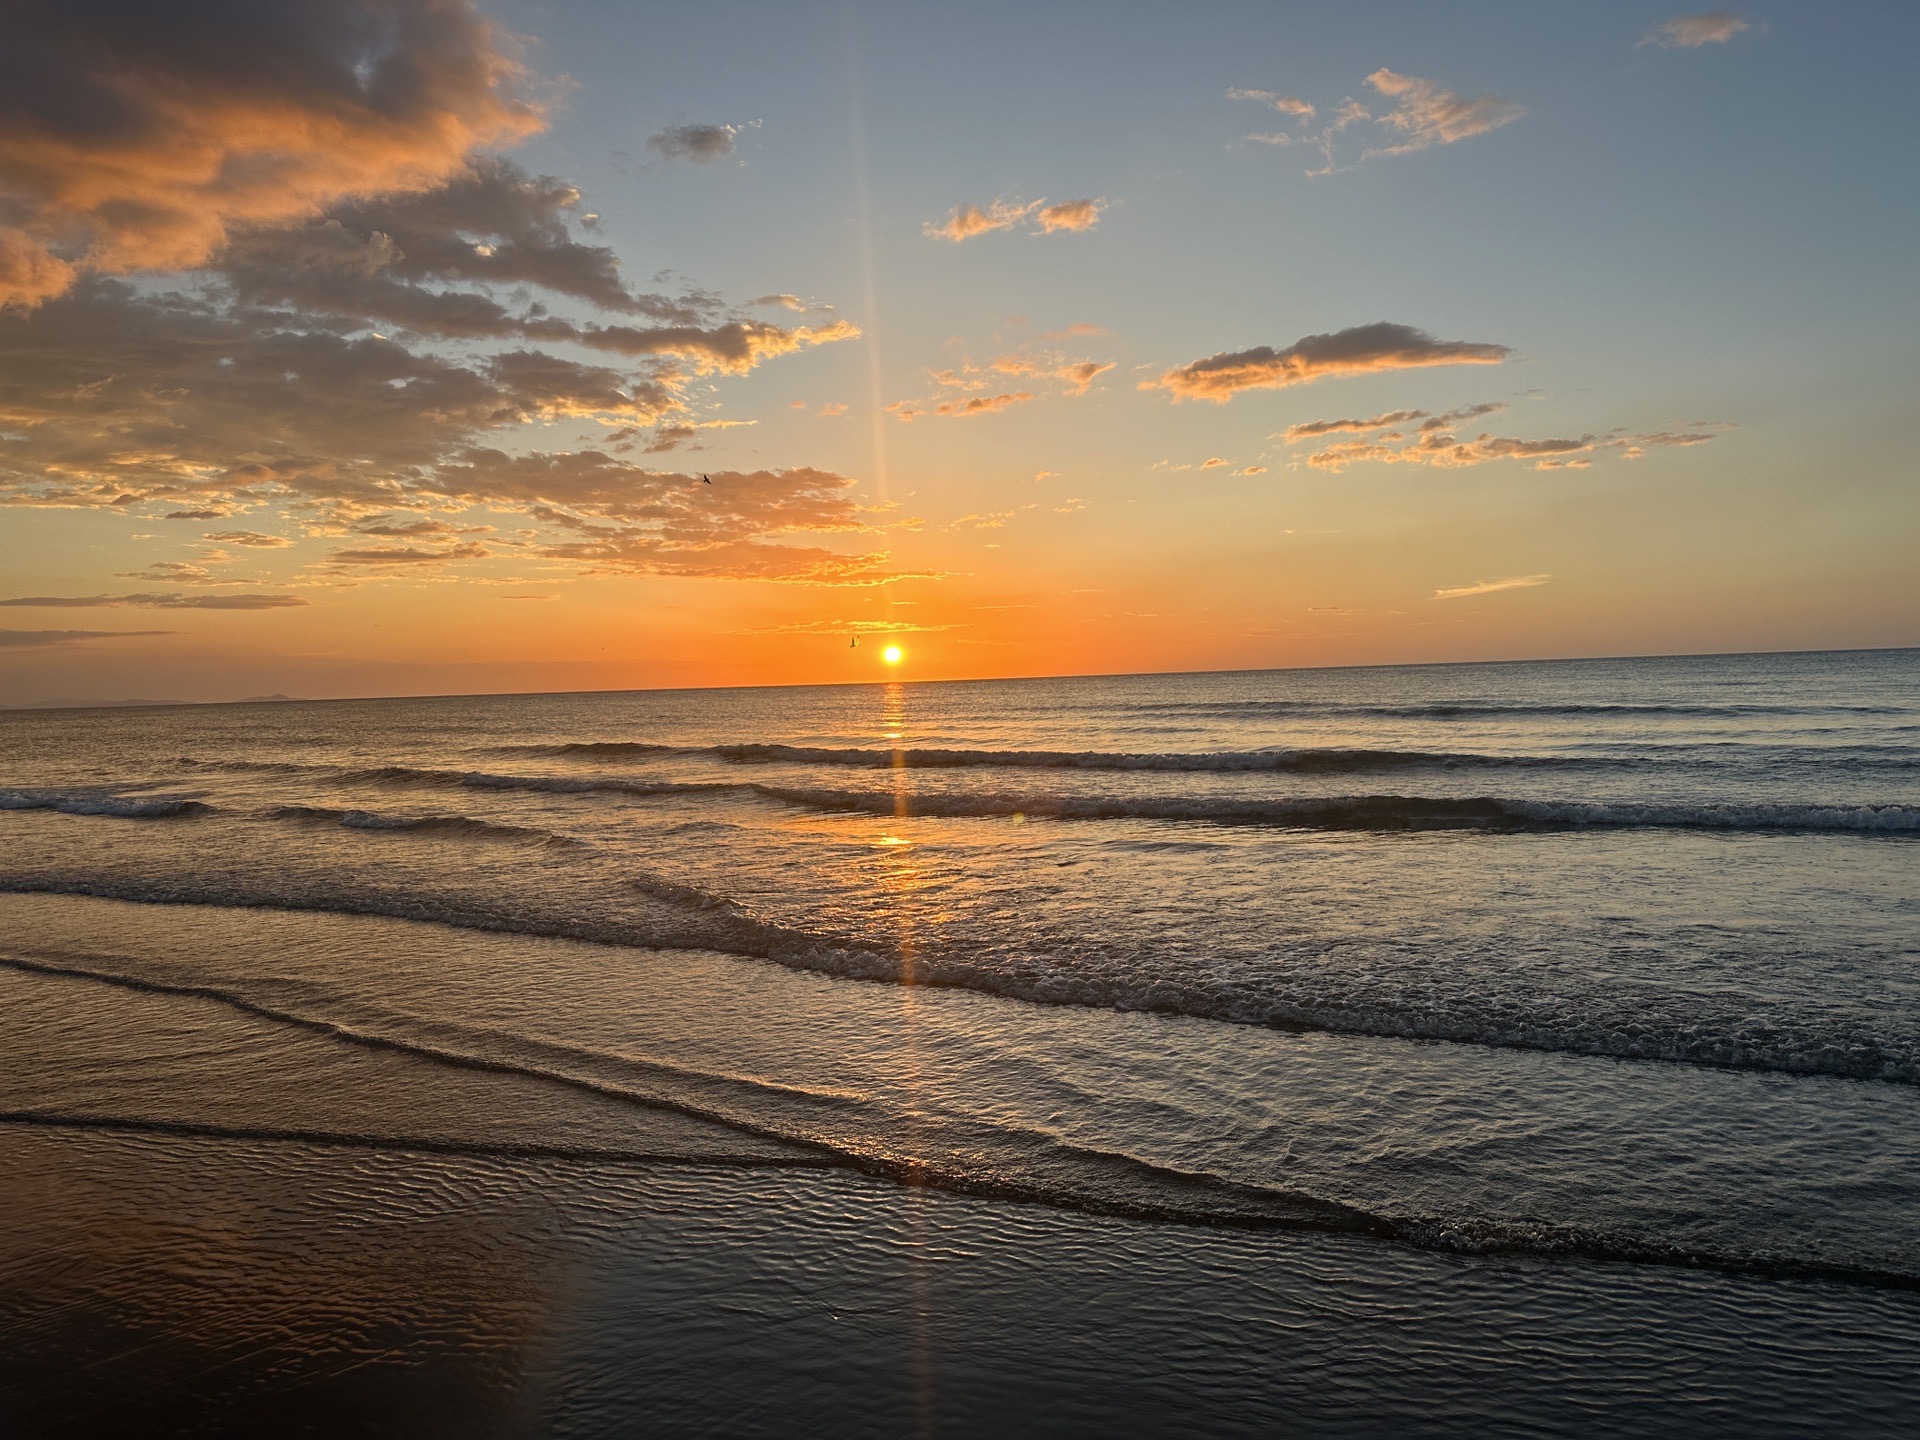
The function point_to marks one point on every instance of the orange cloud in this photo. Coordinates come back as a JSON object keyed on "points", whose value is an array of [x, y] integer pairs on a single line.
{"points": [[1690, 32], [1491, 587], [143, 145], [982, 404], [1285, 104], [1428, 115], [1075, 215], [1362, 350], [967, 221], [1435, 444]]}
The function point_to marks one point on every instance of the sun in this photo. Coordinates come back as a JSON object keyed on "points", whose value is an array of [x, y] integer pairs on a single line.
{"points": [[892, 654]]}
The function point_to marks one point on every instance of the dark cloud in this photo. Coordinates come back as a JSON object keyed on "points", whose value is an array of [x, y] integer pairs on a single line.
{"points": [[1362, 350], [156, 601], [702, 144], [410, 555], [371, 354], [46, 639], [138, 136]]}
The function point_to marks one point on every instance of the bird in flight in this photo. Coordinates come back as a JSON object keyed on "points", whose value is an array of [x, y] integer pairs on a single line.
{"points": [[853, 642], [703, 477]]}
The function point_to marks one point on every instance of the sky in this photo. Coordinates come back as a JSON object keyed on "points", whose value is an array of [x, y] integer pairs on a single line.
{"points": [[394, 347]]}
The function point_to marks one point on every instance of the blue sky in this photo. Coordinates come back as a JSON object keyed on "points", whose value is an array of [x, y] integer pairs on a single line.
{"points": [[1700, 253]]}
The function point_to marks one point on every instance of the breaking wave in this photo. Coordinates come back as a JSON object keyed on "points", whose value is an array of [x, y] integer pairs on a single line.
{"points": [[1377, 812], [99, 802], [1614, 1026], [971, 1156], [1331, 812], [423, 824]]}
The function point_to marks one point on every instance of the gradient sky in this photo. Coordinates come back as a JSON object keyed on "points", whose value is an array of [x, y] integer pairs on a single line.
{"points": [[379, 348]]}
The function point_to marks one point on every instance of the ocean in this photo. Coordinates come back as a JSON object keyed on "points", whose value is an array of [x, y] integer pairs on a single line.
{"points": [[1463, 1049]]}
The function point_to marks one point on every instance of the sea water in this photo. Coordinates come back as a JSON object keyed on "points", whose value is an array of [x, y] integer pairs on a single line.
{"points": [[1572, 1006]]}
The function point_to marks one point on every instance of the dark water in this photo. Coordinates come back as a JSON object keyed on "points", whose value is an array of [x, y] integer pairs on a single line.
{"points": [[1451, 1049]]}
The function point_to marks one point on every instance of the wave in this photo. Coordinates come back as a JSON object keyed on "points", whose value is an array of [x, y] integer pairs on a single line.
{"points": [[994, 1160], [1495, 709], [600, 749], [1328, 812], [1306, 761], [1611, 1026], [1295, 761], [1376, 812], [98, 802], [423, 824]]}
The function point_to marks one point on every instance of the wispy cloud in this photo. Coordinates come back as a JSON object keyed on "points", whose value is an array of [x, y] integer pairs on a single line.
{"points": [[959, 409], [48, 639], [1434, 442], [1690, 32], [1489, 587], [1364, 349], [155, 601], [966, 221], [409, 555], [251, 539], [1423, 113], [1285, 104]]}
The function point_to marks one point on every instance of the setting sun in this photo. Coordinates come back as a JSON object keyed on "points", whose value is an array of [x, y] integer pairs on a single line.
{"points": [[892, 654]]}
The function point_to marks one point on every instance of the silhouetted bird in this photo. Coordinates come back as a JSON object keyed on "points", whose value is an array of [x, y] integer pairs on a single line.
{"points": [[705, 478]]}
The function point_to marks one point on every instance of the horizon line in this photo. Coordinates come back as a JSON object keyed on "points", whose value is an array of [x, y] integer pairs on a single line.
{"points": [[984, 680]]}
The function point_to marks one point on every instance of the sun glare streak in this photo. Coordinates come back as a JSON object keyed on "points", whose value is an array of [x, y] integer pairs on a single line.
{"points": [[903, 879]]}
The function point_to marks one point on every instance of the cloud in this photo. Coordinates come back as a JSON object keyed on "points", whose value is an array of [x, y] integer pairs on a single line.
{"points": [[1285, 104], [1212, 462], [391, 529], [156, 602], [1429, 421], [1690, 32], [45, 639], [966, 221], [702, 144], [410, 555], [1489, 587], [1072, 377], [369, 355], [1295, 433], [1364, 349], [982, 404], [830, 410], [141, 137], [1424, 114], [1072, 215], [1077, 375], [1435, 444]]}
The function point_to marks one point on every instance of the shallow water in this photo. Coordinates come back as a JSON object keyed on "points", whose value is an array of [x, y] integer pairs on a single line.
{"points": [[1585, 980]]}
